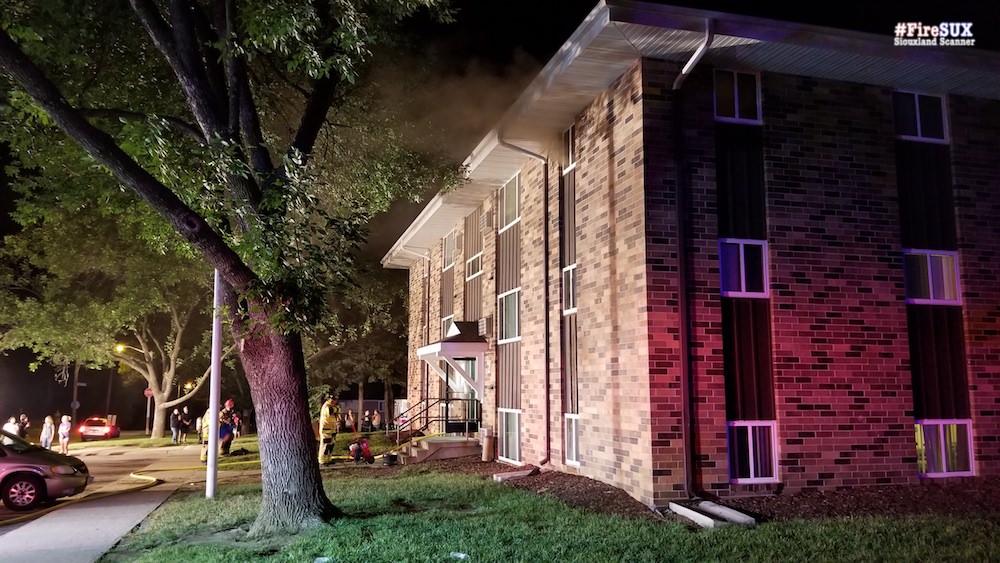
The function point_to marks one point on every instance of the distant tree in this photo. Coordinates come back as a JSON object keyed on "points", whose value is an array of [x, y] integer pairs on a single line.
{"points": [[212, 112], [363, 340], [82, 301]]}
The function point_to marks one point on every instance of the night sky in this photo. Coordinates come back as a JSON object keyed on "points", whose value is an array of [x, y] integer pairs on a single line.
{"points": [[487, 57]]}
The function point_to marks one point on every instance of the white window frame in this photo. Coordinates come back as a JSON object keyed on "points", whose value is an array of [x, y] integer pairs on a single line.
{"points": [[502, 437], [448, 251], [940, 427], [572, 431], [501, 318], [569, 290], [750, 424], [515, 184], [736, 99], [742, 292], [478, 258], [944, 118], [446, 323], [929, 255], [569, 145]]}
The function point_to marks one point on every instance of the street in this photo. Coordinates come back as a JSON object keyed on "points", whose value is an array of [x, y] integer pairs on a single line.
{"points": [[109, 464]]}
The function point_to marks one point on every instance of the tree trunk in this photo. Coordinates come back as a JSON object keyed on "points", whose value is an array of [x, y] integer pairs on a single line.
{"points": [[159, 419], [293, 496]]}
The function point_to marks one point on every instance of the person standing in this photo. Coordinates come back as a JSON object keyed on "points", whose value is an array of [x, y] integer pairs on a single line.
{"points": [[226, 434], [185, 425], [12, 427], [25, 425], [64, 429], [175, 426], [48, 433], [329, 421]]}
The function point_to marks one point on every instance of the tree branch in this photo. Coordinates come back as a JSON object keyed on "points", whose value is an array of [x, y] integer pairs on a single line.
{"points": [[175, 123], [179, 46], [103, 149]]}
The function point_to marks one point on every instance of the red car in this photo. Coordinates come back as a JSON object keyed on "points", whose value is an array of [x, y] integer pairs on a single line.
{"points": [[98, 428]]}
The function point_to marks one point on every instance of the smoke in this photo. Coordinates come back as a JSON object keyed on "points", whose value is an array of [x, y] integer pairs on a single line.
{"points": [[449, 106], [444, 106]]}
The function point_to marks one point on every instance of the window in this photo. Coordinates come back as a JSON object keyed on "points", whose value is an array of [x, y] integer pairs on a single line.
{"points": [[448, 258], [569, 146], [944, 448], [919, 117], [573, 439], [569, 289], [446, 324], [509, 312], [743, 267], [474, 266], [509, 441], [510, 210], [931, 277], [737, 97], [753, 457]]}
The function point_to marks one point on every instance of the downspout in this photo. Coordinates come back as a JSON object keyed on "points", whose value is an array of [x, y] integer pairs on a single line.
{"points": [[545, 282], [687, 375]]}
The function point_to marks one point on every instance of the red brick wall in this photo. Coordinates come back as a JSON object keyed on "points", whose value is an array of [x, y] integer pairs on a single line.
{"points": [[841, 356], [974, 126]]}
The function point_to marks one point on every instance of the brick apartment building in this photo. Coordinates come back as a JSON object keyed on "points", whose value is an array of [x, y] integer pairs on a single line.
{"points": [[709, 254]]}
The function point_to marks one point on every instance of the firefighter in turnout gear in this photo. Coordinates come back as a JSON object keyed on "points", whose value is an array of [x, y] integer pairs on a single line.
{"points": [[329, 421]]}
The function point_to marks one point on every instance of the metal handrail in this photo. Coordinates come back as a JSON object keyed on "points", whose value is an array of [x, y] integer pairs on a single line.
{"points": [[422, 408]]}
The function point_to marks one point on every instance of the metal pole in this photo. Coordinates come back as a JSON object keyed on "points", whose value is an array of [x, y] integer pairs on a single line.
{"points": [[76, 386], [148, 399], [111, 381], [211, 471]]}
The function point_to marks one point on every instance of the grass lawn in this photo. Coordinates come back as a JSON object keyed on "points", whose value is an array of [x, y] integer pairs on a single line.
{"points": [[418, 515]]}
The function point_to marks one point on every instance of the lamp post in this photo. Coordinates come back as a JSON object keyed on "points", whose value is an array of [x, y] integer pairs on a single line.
{"points": [[111, 382]]}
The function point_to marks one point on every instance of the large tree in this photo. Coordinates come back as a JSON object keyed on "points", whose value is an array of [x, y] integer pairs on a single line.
{"points": [[187, 118]]}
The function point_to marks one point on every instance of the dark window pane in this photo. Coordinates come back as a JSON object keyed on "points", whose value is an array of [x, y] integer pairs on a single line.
{"points": [[753, 258], [931, 117], [905, 109], [725, 104], [739, 452], [917, 281], [729, 265], [747, 93]]}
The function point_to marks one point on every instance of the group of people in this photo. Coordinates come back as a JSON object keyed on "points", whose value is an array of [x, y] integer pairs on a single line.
{"points": [[332, 419], [180, 425], [19, 425], [372, 422]]}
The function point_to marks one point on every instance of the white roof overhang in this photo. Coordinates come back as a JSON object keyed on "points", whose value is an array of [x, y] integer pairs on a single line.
{"points": [[618, 32]]}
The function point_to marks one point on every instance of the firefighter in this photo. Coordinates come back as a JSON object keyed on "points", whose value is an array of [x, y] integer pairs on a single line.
{"points": [[329, 421], [204, 420]]}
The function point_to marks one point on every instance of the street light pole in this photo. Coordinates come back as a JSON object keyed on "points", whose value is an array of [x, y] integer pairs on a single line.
{"points": [[111, 382]]}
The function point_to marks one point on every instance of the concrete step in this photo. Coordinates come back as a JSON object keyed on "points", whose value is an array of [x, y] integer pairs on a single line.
{"points": [[708, 514], [440, 447]]}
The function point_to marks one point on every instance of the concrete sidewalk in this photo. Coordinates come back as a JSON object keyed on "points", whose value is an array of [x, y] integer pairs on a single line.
{"points": [[83, 531]]}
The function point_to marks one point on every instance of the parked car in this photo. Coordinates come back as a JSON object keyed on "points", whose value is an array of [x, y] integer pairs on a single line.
{"points": [[98, 428], [31, 475]]}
